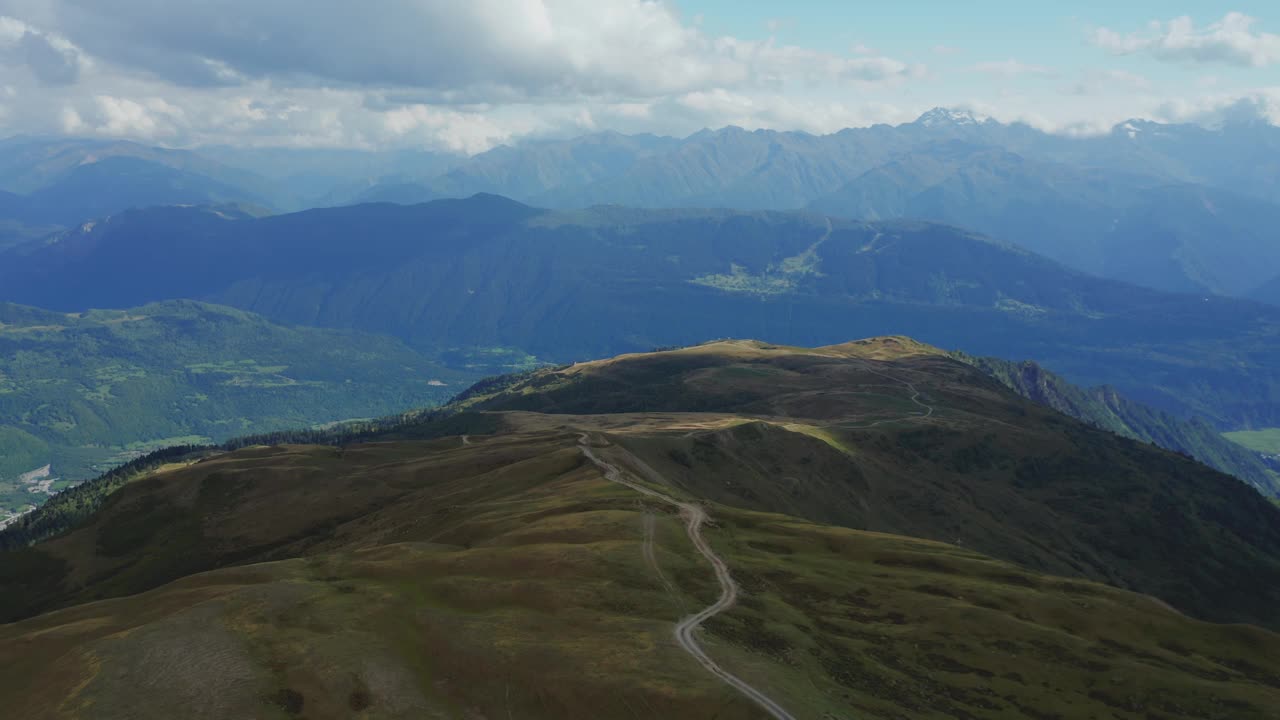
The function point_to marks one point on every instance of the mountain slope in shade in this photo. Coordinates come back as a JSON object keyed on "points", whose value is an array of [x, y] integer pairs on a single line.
{"points": [[1268, 292], [1105, 408], [500, 571], [120, 183], [489, 272]]}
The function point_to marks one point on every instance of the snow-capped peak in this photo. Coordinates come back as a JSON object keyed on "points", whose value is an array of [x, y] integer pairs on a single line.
{"points": [[1134, 128], [949, 116]]}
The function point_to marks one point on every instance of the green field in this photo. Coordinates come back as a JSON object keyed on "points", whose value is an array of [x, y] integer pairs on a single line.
{"points": [[1266, 440]]}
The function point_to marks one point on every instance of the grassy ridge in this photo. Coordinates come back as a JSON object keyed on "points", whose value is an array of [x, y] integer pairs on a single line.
{"points": [[507, 578]]}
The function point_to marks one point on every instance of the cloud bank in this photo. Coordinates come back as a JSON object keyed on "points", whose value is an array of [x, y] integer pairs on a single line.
{"points": [[1232, 40], [465, 76]]}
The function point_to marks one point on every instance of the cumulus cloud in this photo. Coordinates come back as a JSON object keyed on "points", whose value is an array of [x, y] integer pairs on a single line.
{"points": [[428, 73], [1257, 106], [1232, 40], [466, 52], [465, 76], [51, 59]]}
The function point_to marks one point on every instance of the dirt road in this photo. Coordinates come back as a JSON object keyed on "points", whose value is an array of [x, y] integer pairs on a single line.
{"points": [[694, 517]]}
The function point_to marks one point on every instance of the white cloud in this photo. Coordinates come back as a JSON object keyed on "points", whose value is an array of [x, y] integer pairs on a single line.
{"points": [[468, 52], [1231, 40], [464, 76], [460, 132], [780, 112], [1260, 105], [50, 58], [424, 73]]}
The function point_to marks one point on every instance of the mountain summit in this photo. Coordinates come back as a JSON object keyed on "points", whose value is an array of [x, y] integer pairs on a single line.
{"points": [[940, 116]]}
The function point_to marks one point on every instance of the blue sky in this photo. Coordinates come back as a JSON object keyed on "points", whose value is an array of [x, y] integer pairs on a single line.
{"points": [[1053, 35], [1050, 29], [442, 74]]}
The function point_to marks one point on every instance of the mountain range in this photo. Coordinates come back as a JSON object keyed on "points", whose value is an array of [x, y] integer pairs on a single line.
{"points": [[48, 184], [563, 285], [1154, 204], [1164, 206]]}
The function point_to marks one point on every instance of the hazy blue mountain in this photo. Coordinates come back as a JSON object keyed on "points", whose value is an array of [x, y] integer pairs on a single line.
{"points": [[400, 193], [1242, 155], [490, 272], [767, 169], [1182, 208], [325, 177], [51, 184], [23, 220], [1140, 229], [1165, 206], [1268, 292], [29, 164], [542, 168], [121, 183]]}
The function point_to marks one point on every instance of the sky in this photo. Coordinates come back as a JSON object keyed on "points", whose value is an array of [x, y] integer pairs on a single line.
{"points": [[465, 76]]}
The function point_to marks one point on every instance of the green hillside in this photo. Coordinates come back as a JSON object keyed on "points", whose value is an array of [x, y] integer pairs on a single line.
{"points": [[528, 560], [81, 393]]}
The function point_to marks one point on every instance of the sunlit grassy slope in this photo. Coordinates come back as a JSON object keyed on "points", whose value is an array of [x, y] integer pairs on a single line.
{"points": [[507, 576], [1263, 441]]}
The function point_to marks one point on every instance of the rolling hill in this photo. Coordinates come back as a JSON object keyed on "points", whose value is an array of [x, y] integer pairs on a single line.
{"points": [[934, 551], [81, 393], [563, 285]]}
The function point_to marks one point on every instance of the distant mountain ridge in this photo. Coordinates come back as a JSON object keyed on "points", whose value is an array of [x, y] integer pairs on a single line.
{"points": [[1175, 207], [562, 285], [1181, 208], [50, 184]]}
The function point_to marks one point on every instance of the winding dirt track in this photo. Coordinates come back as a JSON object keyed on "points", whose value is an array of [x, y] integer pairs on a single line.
{"points": [[694, 516], [649, 528], [915, 398]]}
